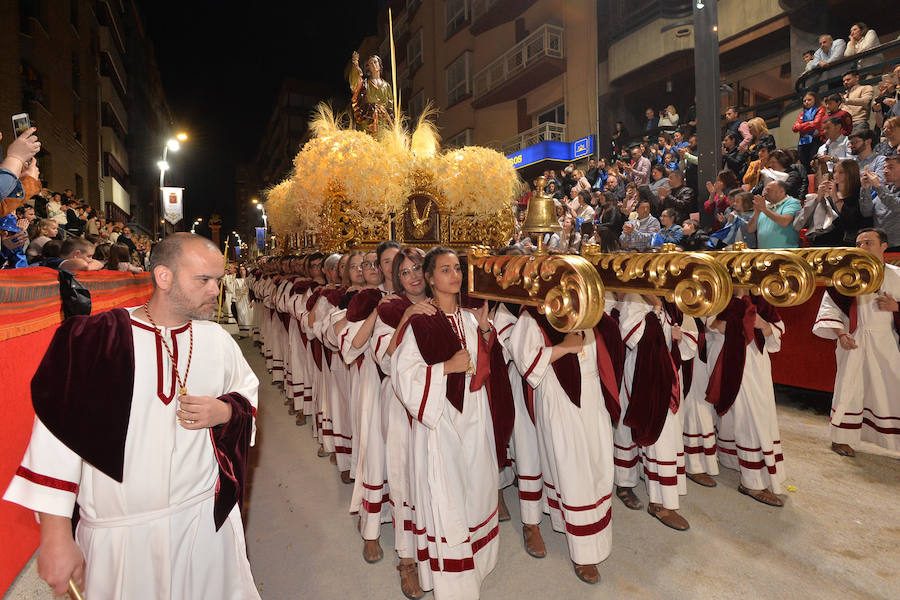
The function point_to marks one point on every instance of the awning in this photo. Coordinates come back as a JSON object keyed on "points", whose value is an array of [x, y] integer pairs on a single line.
{"points": [[553, 151]]}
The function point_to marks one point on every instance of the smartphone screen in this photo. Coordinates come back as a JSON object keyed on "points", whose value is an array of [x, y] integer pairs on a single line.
{"points": [[21, 122]]}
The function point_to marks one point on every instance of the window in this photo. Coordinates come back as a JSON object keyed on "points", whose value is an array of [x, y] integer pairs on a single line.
{"points": [[32, 88], [459, 81], [76, 117], [414, 52], [463, 138], [73, 13], [554, 114], [416, 105], [32, 9], [457, 15]]}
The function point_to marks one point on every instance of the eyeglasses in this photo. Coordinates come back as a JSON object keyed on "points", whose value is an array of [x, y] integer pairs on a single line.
{"points": [[407, 272], [369, 266]]}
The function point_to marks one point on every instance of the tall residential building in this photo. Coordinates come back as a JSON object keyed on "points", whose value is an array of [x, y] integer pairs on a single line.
{"points": [[545, 81], [84, 72], [510, 75]]}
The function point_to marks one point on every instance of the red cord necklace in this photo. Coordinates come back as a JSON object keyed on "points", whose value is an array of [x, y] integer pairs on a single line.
{"points": [[182, 383]]}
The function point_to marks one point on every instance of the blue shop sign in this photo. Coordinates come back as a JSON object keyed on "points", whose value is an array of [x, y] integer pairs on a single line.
{"points": [[552, 150]]}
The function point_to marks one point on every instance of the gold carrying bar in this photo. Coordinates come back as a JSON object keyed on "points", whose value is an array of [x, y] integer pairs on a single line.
{"points": [[694, 281], [851, 271], [781, 277], [565, 287]]}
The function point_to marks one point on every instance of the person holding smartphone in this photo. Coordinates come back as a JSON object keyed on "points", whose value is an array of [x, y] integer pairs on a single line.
{"points": [[17, 163]]}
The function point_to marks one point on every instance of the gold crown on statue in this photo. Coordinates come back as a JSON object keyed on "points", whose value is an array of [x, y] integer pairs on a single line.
{"points": [[352, 190]]}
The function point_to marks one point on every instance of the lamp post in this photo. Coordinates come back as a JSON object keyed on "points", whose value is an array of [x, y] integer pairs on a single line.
{"points": [[197, 221], [173, 144]]}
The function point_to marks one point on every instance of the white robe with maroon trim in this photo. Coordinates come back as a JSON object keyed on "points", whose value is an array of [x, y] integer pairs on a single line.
{"points": [[370, 491], [455, 478], [255, 308], [523, 445], [240, 288], [263, 294], [866, 404], [575, 444], [152, 536], [340, 401], [278, 334], [397, 448], [297, 351], [749, 440], [309, 369], [327, 385], [661, 464], [698, 418]]}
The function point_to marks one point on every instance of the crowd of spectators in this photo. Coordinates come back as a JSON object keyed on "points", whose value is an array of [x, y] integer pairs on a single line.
{"points": [[40, 227], [842, 175]]}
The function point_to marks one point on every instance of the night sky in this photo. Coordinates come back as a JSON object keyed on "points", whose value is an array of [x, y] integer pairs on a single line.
{"points": [[221, 69]]}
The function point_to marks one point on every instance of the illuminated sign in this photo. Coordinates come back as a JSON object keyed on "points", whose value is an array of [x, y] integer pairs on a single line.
{"points": [[551, 150]]}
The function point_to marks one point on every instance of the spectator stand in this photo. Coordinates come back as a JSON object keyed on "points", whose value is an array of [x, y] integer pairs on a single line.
{"points": [[30, 312]]}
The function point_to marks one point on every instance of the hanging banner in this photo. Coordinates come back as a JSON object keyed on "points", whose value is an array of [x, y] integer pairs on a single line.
{"points": [[261, 238], [237, 252], [173, 208]]}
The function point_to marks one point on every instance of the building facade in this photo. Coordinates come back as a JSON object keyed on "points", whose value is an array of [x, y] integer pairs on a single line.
{"points": [[85, 73]]}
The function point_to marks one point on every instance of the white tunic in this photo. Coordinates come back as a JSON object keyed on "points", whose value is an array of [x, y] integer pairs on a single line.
{"points": [[698, 418], [152, 536], [455, 478], [866, 402], [660, 464], [575, 443], [749, 440], [240, 294]]}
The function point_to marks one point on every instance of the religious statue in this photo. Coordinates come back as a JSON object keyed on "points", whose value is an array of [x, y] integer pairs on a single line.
{"points": [[373, 101]]}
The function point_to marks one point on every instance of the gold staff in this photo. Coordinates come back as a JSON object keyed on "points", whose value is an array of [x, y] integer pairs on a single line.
{"points": [[73, 592], [222, 284]]}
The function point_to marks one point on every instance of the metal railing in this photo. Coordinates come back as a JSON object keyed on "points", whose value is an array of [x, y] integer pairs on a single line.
{"points": [[546, 41], [542, 133], [810, 81]]}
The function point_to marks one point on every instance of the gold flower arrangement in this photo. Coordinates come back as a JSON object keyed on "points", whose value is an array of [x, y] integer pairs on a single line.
{"points": [[368, 180]]}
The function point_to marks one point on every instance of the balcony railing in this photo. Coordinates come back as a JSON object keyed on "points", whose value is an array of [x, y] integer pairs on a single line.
{"points": [[542, 133], [545, 42], [626, 17]]}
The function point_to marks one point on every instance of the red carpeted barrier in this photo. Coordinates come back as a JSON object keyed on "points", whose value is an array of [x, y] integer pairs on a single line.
{"points": [[30, 312]]}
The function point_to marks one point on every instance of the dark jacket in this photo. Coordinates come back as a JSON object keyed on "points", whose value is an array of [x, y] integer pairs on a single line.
{"points": [[684, 201], [736, 161]]}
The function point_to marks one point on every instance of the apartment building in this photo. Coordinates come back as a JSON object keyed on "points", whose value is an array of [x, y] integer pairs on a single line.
{"points": [[85, 73], [518, 76], [545, 81]]}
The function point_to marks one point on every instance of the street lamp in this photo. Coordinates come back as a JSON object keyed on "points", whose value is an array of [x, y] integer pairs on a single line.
{"points": [[173, 144]]}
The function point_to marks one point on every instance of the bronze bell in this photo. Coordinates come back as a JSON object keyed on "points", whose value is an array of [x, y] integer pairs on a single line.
{"points": [[541, 217]]}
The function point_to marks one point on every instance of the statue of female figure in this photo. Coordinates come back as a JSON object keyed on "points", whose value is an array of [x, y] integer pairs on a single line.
{"points": [[373, 101]]}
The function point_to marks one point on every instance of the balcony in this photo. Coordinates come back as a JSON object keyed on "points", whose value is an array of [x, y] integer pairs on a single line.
{"points": [[539, 57], [544, 132], [106, 14], [114, 146], [111, 64], [109, 95], [487, 14]]}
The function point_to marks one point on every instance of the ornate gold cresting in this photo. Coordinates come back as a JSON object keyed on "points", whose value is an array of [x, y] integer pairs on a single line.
{"points": [[851, 271], [340, 221], [696, 283], [566, 288], [781, 277]]}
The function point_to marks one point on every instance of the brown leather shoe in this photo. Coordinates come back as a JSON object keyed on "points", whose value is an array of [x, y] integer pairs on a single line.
{"points": [[502, 511], [629, 498], [668, 517], [321, 453], [292, 411], [587, 573], [345, 476], [288, 401], [702, 479], [764, 496], [372, 551], [409, 579], [333, 458], [843, 450], [534, 541], [301, 419]]}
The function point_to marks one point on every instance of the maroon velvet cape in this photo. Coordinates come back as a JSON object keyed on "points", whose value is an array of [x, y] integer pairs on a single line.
{"points": [[392, 311], [88, 349], [363, 303], [740, 331], [654, 386], [437, 343]]}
